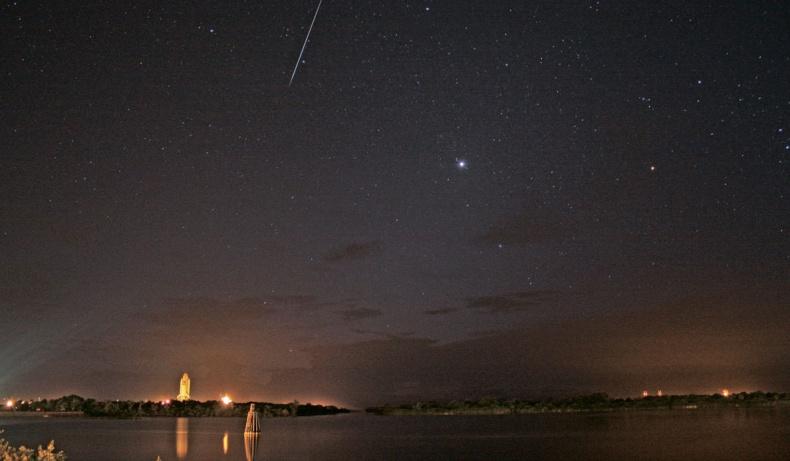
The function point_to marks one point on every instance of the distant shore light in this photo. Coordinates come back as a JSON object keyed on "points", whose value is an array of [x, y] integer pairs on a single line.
{"points": [[9, 403], [226, 400], [725, 392], [645, 393]]}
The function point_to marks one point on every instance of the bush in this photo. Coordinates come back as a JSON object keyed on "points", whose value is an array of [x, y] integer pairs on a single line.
{"points": [[10, 453]]}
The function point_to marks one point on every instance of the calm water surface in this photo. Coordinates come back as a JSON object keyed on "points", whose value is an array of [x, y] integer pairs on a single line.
{"points": [[730, 434]]}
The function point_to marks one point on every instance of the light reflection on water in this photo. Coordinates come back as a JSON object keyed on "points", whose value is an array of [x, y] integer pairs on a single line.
{"points": [[250, 445], [733, 434], [182, 437], [182, 441]]}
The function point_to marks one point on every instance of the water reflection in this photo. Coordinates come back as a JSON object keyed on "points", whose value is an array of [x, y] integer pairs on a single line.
{"points": [[728, 435], [225, 443], [251, 445], [182, 437]]}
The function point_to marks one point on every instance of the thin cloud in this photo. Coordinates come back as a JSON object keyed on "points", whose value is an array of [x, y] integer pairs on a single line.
{"points": [[620, 353], [442, 311], [247, 308], [384, 334], [353, 251], [536, 225], [509, 302], [359, 313]]}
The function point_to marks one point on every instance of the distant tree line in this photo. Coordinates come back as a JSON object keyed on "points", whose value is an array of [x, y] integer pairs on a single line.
{"points": [[132, 409], [591, 402]]}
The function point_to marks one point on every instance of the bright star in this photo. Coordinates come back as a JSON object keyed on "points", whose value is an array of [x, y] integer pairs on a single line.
{"points": [[461, 164]]}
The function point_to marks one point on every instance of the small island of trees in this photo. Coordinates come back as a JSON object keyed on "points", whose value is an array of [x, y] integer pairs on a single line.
{"points": [[592, 402]]}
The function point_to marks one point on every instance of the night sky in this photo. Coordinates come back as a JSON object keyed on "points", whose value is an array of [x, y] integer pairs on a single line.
{"points": [[453, 199]]}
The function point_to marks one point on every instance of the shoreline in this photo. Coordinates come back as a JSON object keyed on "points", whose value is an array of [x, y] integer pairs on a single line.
{"points": [[688, 408], [80, 414], [438, 413], [75, 405], [595, 403]]}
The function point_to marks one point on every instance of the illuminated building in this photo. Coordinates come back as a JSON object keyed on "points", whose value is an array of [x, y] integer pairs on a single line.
{"points": [[183, 392]]}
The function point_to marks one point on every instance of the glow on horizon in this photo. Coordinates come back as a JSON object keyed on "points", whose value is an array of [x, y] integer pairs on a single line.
{"points": [[9, 403], [226, 400]]}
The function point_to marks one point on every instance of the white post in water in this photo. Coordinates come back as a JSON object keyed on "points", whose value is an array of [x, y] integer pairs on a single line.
{"points": [[253, 425]]}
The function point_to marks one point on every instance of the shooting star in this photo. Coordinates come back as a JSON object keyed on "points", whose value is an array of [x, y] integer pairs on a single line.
{"points": [[304, 45]]}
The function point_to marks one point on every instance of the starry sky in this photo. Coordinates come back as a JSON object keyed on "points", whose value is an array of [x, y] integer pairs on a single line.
{"points": [[453, 199]]}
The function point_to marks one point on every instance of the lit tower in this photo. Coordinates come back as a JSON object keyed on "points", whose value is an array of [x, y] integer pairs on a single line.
{"points": [[253, 424], [183, 390], [252, 432]]}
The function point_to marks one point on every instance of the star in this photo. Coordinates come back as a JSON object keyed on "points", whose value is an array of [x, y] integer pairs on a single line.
{"points": [[461, 164]]}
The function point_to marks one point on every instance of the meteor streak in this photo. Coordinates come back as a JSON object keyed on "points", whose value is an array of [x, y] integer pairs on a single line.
{"points": [[304, 45]]}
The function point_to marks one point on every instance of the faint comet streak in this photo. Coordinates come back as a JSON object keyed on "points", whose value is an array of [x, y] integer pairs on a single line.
{"points": [[304, 45]]}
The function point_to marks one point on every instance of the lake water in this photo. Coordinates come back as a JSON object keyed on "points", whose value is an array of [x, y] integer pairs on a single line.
{"points": [[729, 434]]}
